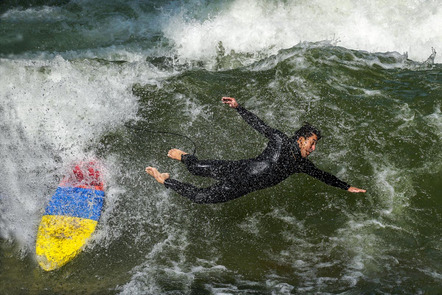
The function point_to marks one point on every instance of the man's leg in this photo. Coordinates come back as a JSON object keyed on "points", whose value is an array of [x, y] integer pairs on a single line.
{"points": [[217, 169], [217, 193]]}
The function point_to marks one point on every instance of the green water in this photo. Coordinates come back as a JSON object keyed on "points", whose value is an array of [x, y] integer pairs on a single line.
{"points": [[107, 97], [382, 133]]}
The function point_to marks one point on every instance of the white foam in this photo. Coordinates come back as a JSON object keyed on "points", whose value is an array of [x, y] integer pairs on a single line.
{"points": [[435, 119], [252, 26], [63, 103]]}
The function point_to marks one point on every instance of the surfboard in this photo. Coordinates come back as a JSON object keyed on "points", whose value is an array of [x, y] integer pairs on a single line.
{"points": [[71, 216]]}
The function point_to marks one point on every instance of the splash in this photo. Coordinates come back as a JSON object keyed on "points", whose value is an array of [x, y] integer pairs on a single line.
{"points": [[52, 111]]}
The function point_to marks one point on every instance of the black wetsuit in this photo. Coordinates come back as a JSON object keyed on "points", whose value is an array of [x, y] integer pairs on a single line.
{"points": [[279, 160]]}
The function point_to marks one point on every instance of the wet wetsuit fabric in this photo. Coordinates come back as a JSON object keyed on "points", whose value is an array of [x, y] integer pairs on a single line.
{"points": [[280, 159]]}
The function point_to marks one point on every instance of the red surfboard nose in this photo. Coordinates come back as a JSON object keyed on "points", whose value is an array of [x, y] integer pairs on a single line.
{"points": [[85, 175]]}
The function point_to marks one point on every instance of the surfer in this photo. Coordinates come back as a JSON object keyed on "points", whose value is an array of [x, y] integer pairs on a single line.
{"points": [[282, 157]]}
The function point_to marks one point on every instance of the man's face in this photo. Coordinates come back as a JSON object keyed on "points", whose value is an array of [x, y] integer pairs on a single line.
{"points": [[307, 145]]}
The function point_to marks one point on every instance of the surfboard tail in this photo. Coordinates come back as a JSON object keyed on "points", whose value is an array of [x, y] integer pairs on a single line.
{"points": [[60, 238]]}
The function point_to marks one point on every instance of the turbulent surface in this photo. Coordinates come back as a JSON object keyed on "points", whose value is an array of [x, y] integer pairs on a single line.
{"points": [[92, 79]]}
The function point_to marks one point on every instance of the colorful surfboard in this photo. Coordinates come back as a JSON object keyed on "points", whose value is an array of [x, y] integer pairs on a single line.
{"points": [[71, 216]]}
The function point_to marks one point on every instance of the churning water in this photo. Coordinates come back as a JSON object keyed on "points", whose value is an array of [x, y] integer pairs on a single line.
{"points": [[85, 79]]}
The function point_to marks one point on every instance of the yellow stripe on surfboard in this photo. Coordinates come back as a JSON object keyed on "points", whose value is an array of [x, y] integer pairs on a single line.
{"points": [[60, 238]]}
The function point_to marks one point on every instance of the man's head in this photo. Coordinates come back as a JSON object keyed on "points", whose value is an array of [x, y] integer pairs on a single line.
{"points": [[306, 138]]}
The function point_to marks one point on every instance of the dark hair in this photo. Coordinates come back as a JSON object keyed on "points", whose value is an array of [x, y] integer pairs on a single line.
{"points": [[307, 130]]}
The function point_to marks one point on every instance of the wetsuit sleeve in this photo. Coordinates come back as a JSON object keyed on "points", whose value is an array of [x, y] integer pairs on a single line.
{"points": [[310, 169], [254, 121]]}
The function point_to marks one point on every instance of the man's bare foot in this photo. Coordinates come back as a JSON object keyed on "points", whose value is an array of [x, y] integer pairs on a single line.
{"points": [[160, 177], [176, 154]]}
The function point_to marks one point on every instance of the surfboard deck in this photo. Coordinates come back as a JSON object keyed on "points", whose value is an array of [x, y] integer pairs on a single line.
{"points": [[71, 216]]}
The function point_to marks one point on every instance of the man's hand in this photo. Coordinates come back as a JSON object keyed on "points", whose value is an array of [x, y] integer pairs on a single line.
{"points": [[230, 101], [353, 189]]}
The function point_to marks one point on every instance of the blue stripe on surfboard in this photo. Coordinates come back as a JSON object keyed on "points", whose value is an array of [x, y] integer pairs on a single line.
{"points": [[76, 202]]}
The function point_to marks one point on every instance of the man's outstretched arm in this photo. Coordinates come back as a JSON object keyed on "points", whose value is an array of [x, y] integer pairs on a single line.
{"points": [[252, 119], [329, 179]]}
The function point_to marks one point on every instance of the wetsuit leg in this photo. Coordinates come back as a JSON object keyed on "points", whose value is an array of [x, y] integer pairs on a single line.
{"points": [[217, 169], [217, 193]]}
